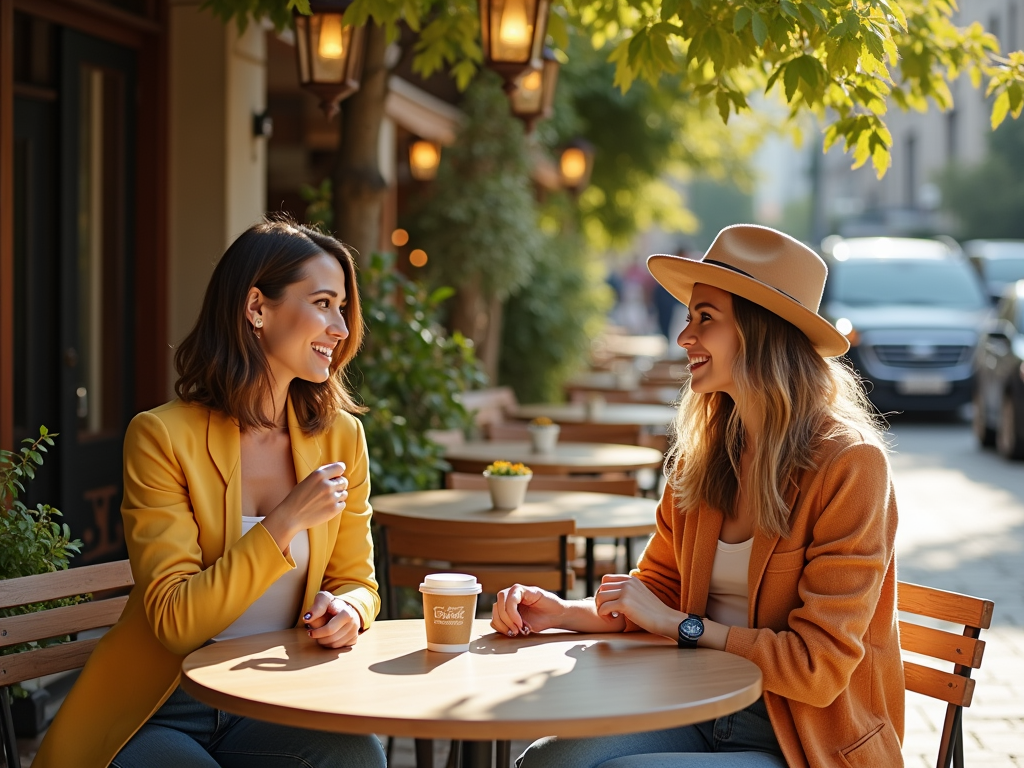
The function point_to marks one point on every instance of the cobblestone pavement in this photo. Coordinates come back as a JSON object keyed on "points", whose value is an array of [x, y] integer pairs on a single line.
{"points": [[962, 529]]}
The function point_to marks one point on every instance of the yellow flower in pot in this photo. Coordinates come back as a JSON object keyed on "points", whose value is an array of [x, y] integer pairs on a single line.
{"points": [[507, 483], [543, 434]]}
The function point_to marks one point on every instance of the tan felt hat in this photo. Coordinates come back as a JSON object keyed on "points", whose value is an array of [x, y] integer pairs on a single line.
{"points": [[765, 266]]}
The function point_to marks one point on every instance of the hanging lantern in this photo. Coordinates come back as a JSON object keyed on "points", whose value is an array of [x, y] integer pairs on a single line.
{"points": [[424, 157], [575, 165], [534, 96], [330, 54], [512, 33]]}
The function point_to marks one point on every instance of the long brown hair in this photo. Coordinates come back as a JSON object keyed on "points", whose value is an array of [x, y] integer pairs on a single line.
{"points": [[220, 363], [802, 398]]}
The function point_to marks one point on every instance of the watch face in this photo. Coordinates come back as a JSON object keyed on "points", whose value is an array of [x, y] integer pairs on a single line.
{"points": [[692, 628]]}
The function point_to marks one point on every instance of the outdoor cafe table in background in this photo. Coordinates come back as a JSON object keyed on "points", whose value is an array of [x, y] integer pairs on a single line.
{"points": [[596, 514], [546, 684], [655, 417], [565, 459]]}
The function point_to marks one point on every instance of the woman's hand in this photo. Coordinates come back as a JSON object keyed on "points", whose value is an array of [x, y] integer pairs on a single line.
{"points": [[522, 610], [332, 622], [318, 498], [627, 596]]}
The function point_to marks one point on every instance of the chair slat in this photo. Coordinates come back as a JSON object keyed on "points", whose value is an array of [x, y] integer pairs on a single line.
{"points": [[60, 621], [938, 644], [77, 581], [474, 550], [492, 578], [945, 686], [947, 606], [19, 667]]}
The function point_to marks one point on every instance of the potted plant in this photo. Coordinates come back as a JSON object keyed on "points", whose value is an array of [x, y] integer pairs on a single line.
{"points": [[507, 483], [543, 434], [31, 542]]}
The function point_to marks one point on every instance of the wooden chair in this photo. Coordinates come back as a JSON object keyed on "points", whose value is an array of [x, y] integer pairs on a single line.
{"points": [[620, 434], [56, 622], [498, 554], [964, 651], [489, 406]]}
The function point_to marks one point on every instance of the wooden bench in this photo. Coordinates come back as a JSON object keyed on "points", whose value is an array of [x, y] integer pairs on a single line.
{"points": [[107, 583]]}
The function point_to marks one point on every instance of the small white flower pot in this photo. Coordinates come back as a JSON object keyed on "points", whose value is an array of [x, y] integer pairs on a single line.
{"points": [[507, 491], [543, 438]]}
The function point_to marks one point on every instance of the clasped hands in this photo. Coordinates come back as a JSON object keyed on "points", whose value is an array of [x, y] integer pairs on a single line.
{"points": [[332, 622], [522, 610]]}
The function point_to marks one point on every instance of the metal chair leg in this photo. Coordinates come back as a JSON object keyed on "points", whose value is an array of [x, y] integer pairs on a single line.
{"points": [[7, 728], [504, 756], [424, 753]]}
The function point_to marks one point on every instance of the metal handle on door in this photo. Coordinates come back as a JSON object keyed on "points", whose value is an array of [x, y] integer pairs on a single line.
{"points": [[82, 410]]}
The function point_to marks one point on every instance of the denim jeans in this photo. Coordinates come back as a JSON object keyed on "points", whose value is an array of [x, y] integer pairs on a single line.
{"points": [[185, 733], [744, 739]]}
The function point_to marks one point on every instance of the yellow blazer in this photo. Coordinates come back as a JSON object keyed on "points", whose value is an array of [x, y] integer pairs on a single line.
{"points": [[194, 571]]}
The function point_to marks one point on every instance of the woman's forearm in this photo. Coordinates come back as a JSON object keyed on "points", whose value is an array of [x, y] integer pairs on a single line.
{"points": [[582, 616]]}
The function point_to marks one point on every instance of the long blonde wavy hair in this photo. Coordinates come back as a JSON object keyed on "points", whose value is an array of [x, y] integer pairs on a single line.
{"points": [[802, 398]]}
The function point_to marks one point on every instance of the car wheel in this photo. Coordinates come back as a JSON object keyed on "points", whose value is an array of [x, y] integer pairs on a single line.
{"points": [[985, 434], [1009, 441]]}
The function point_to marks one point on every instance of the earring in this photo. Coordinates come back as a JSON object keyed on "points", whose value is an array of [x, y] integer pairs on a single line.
{"points": [[257, 327], [259, 321]]}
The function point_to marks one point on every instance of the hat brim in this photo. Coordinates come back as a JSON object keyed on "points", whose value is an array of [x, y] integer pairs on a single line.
{"points": [[678, 276]]}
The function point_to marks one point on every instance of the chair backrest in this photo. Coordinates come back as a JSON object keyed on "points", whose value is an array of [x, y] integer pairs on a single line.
{"points": [[489, 406], [620, 434], [964, 650], [625, 486], [56, 622], [497, 553]]}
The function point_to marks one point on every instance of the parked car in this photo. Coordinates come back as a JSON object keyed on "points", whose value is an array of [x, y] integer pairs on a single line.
{"points": [[999, 390], [999, 262], [911, 309]]}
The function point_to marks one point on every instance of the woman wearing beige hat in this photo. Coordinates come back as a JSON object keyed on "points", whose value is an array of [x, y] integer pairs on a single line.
{"points": [[775, 536]]}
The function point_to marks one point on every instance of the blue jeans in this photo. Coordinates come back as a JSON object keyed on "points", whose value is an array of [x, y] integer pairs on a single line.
{"points": [[744, 739], [185, 733]]}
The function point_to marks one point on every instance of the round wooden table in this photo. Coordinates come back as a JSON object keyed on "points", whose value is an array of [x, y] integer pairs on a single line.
{"points": [[643, 414], [596, 514], [547, 684], [566, 459]]}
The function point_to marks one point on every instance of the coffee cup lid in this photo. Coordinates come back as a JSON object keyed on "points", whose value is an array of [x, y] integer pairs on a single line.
{"points": [[450, 583]]}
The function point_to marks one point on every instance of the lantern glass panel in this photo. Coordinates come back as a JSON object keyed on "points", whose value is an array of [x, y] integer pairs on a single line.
{"points": [[512, 23], [301, 29], [331, 43], [527, 97], [573, 165]]}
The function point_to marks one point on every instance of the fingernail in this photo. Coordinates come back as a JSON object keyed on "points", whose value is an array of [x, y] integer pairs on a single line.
{"points": [[310, 634], [308, 627], [615, 615], [308, 616], [511, 633], [526, 630]]}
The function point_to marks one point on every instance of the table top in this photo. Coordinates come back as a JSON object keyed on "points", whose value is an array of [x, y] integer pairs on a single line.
{"points": [[548, 684], [565, 459], [648, 415], [596, 514]]}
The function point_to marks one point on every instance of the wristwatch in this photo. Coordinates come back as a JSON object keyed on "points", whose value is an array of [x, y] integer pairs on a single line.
{"points": [[690, 629]]}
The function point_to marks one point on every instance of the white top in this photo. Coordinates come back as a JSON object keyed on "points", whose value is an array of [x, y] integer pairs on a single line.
{"points": [[279, 606], [727, 595]]}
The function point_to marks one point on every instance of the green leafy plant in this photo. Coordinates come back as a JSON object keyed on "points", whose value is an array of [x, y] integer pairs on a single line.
{"points": [[409, 373], [31, 539]]}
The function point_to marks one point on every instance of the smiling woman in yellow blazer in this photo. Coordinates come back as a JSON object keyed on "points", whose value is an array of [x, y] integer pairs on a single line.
{"points": [[245, 509]]}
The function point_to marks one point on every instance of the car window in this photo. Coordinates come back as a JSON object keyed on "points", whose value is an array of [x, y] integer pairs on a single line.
{"points": [[1003, 270], [925, 282]]}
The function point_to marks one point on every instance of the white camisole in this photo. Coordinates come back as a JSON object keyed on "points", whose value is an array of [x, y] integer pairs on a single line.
{"points": [[727, 595], [279, 606]]}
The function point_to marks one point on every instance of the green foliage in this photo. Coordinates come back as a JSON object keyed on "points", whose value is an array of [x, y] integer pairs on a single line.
{"points": [[32, 540], [480, 222], [408, 374], [842, 60], [988, 198], [548, 325], [242, 11]]}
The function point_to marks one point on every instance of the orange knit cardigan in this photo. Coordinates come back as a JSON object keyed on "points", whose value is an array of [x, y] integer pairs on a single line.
{"points": [[822, 622]]}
